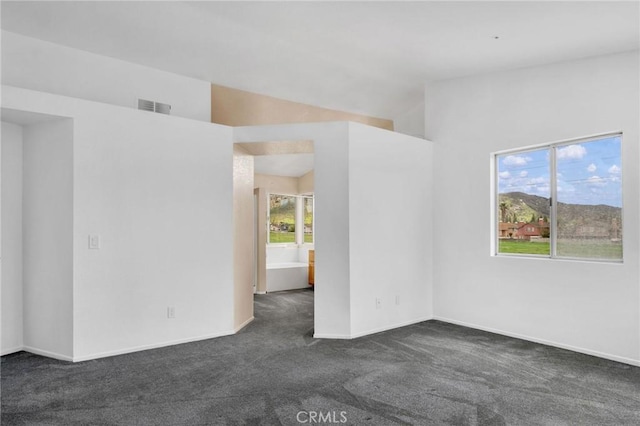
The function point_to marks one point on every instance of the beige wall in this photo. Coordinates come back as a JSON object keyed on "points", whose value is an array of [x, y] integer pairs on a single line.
{"points": [[285, 184], [280, 184], [305, 183], [261, 285], [234, 107], [243, 237]]}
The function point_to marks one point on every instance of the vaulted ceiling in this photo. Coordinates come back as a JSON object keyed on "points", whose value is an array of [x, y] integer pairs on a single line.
{"points": [[371, 57]]}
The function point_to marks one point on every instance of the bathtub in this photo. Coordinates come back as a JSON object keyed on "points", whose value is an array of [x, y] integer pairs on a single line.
{"points": [[287, 276]]}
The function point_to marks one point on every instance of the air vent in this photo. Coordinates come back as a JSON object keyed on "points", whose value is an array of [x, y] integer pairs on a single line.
{"points": [[152, 106], [145, 105], [163, 108]]}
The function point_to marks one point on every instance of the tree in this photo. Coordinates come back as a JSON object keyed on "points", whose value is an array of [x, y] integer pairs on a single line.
{"points": [[533, 218], [503, 211]]}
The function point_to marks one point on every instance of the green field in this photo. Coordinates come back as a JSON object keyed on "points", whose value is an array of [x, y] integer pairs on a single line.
{"points": [[599, 249], [523, 247], [282, 237], [589, 249], [287, 237]]}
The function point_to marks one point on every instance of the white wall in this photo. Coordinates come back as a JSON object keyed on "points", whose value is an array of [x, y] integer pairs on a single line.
{"points": [[283, 253], [331, 234], [358, 255], [158, 192], [586, 306], [411, 122], [390, 229], [48, 238], [11, 154], [40, 65]]}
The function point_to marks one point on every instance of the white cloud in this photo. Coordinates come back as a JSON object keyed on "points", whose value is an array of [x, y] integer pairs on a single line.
{"points": [[571, 152], [596, 181], [565, 187], [504, 175], [515, 160], [536, 181], [592, 168], [614, 170], [524, 173]]}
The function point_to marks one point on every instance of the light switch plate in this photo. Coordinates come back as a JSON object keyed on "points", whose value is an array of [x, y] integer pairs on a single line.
{"points": [[94, 242]]}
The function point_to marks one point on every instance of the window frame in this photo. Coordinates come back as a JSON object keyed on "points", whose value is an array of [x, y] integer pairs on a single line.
{"points": [[313, 218], [299, 205], [552, 148]]}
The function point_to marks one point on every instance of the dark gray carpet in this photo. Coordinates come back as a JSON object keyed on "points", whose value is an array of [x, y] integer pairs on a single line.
{"points": [[273, 372]]}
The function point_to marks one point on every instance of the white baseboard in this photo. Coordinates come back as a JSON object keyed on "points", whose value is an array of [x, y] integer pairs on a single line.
{"points": [[371, 331], [11, 350], [151, 346], [48, 354], [243, 325], [331, 336], [389, 327], [125, 350], [598, 354]]}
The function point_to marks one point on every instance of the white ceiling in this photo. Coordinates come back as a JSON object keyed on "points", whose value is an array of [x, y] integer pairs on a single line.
{"points": [[281, 158], [365, 57], [294, 165], [371, 57]]}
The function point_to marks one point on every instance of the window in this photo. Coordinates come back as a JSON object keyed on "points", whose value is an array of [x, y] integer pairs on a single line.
{"points": [[282, 218], [308, 219], [562, 200], [290, 219]]}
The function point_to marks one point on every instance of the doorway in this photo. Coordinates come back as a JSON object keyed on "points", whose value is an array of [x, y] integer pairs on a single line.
{"points": [[283, 177]]}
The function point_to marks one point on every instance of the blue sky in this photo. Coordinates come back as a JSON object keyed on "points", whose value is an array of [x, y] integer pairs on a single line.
{"points": [[587, 173]]}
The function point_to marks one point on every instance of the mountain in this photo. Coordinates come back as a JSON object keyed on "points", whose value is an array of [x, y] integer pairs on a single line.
{"points": [[573, 219], [522, 207]]}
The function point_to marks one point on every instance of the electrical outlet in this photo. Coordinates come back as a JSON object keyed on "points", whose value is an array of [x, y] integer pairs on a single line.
{"points": [[171, 312], [378, 303], [397, 299]]}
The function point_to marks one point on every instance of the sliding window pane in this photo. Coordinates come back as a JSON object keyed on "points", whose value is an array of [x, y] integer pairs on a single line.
{"points": [[523, 202], [589, 211]]}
